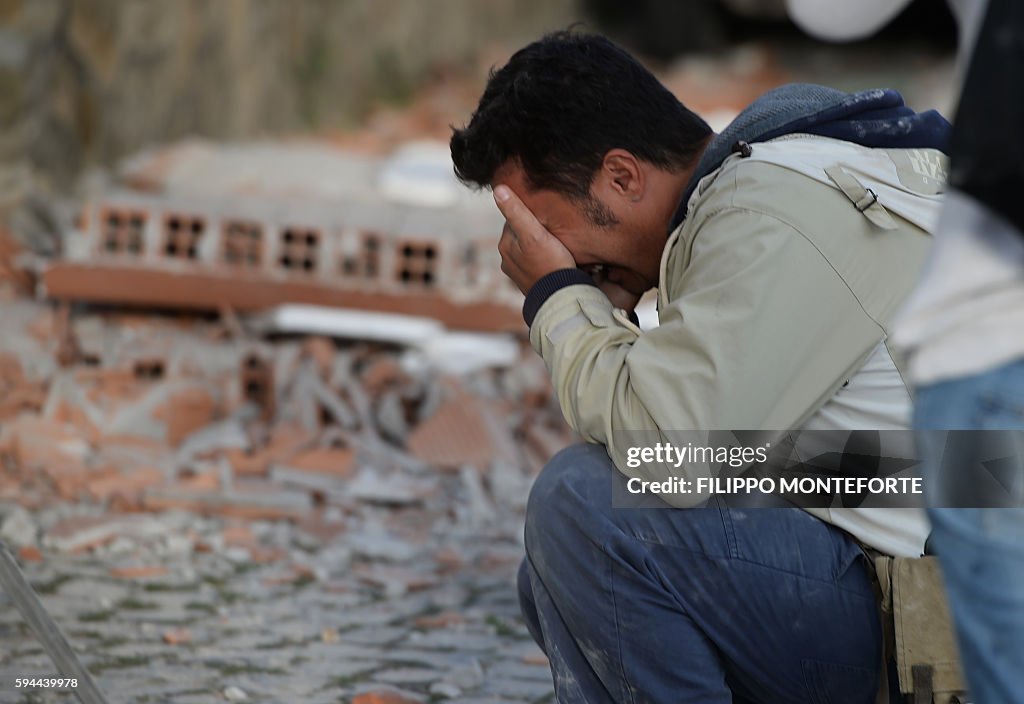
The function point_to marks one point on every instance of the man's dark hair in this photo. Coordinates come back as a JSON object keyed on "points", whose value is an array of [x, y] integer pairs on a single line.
{"points": [[560, 104]]}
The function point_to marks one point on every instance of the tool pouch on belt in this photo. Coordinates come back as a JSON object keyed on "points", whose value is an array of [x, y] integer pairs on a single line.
{"points": [[919, 629]]}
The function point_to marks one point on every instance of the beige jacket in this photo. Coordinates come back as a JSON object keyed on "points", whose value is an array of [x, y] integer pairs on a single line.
{"points": [[773, 293]]}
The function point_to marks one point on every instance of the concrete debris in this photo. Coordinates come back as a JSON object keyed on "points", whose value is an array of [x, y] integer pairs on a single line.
{"points": [[195, 470], [476, 506], [321, 469], [391, 416], [377, 544], [80, 533], [227, 434], [250, 499], [392, 328], [17, 528], [235, 694], [420, 173], [396, 490], [464, 353]]}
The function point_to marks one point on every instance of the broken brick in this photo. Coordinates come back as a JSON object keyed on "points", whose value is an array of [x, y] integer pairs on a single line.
{"points": [[186, 411], [463, 431], [286, 441], [322, 351], [37, 442], [177, 636], [445, 619], [252, 500], [139, 572], [238, 535], [388, 576], [321, 529], [449, 560], [30, 553], [387, 695], [538, 658], [337, 461], [81, 533], [69, 414], [381, 374], [127, 487], [200, 482], [257, 382], [23, 398], [264, 555]]}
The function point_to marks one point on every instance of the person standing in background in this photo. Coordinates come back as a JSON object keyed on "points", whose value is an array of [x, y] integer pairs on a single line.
{"points": [[962, 331]]}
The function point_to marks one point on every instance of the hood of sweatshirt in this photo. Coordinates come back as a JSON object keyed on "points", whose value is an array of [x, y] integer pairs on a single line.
{"points": [[870, 118]]}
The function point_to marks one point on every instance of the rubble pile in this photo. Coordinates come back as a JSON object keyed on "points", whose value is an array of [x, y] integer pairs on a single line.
{"points": [[154, 414], [279, 515]]}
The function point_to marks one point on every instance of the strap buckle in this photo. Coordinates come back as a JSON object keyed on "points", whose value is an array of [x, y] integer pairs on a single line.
{"points": [[863, 204]]}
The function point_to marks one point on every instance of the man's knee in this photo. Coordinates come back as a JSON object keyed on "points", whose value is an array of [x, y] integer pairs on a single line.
{"points": [[573, 484]]}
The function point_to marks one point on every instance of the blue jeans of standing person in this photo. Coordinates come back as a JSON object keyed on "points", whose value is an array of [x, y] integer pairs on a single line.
{"points": [[709, 605], [981, 550]]}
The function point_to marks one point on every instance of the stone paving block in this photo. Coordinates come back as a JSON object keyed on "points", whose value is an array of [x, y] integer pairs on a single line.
{"points": [[379, 636], [453, 640], [331, 669], [85, 532], [526, 689], [439, 660], [519, 671], [407, 676]]}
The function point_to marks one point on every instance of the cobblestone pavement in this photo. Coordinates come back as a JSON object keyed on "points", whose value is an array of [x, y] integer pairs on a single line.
{"points": [[180, 610]]}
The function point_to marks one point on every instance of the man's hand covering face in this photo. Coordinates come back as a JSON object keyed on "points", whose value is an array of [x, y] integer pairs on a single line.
{"points": [[528, 251]]}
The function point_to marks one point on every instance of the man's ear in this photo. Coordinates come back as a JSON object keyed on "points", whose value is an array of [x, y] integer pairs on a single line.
{"points": [[623, 174]]}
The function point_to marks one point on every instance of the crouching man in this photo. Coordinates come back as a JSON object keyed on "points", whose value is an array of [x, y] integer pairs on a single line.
{"points": [[780, 250]]}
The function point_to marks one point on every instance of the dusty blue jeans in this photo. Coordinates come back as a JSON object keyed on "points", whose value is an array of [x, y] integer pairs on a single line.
{"points": [[709, 605], [981, 549]]}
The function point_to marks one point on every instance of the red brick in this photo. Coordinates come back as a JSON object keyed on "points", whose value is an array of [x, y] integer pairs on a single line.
{"points": [[250, 500], [30, 553], [445, 619], [177, 636], [138, 572], [185, 412], [126, 486], [382, 373], [322, 351], [464, 431], [325, 460], [539, 659], [80, 533], [386, 696], [238, 535]]}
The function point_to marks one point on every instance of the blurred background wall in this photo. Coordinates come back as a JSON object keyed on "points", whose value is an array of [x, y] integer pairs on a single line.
{"points": [[88, 81]]}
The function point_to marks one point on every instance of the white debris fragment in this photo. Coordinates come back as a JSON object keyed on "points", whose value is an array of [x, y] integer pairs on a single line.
{"points": [[235, 694], [351, 324], [18, 528], [465, 352], [421, 173]]}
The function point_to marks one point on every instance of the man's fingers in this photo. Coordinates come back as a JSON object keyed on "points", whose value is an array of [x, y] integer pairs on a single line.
{"points": [[517, 216], [528, 251]]}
